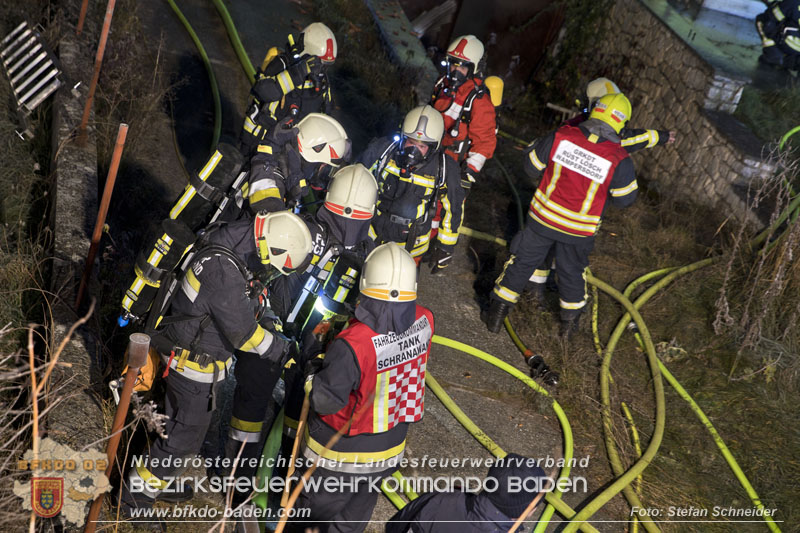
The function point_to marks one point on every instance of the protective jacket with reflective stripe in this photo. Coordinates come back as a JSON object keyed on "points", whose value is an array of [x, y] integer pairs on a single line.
{"points": [[476, 139], [633, 139], [580, 171], [405, 198], [214, 286], [392, 368]]}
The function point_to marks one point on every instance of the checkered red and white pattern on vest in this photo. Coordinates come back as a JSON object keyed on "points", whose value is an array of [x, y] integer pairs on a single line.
{"points": [[393, 370]]}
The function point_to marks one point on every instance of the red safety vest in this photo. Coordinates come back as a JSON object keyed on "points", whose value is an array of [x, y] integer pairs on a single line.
{"points": [[575, 184], [393, 369]]}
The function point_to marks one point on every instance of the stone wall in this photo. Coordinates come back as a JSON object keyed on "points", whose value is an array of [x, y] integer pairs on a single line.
{"points": [[672, 87]]}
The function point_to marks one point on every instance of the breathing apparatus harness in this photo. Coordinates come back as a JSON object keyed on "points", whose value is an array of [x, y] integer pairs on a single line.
{"points": [[389, 194], [479, 90]]}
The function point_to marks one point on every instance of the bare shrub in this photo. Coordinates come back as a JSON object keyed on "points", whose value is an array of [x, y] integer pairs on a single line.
{"points": [[759, 301]]}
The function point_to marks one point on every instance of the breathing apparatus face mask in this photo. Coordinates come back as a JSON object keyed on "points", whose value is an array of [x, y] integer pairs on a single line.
{"points": [[456, 78], [410, 156]]}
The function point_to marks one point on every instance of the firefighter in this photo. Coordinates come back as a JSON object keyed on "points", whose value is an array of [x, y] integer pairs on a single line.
{"points": [[315, 305], [412, 173], [515, 480], [632, 139], [372, 387], [464, 101], [292, 159], [583, 166], [779, 28], [215, 314], [292, 85]]}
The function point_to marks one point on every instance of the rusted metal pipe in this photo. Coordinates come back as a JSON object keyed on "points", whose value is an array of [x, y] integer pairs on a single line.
{"points": [[82, 17], [103, 211], [137, 357], [98, 61]]}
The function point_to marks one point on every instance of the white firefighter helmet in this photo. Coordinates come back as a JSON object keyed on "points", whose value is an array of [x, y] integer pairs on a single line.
{"points": [[319, 40], [389, 274], [598, 88], [466, 49], [283, 241], [614, 110], [352, 193], [424, 123], [321, 139]]}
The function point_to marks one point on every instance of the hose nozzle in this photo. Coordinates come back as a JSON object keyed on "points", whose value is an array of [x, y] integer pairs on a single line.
{"points": [[539, 369]]}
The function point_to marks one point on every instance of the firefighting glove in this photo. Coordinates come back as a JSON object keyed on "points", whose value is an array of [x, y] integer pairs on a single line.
{"points": [[468, 178], [281, 349], [284, 132], [440, 259], [300, 70]]}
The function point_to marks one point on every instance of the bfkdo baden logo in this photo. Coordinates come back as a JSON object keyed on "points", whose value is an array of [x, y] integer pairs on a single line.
{"points": [[47, 496]]}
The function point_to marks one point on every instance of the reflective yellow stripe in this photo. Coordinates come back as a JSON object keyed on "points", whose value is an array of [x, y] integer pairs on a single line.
{"points": [[290, 422], [371, 233], [506, 294], [553, 206], [340, 294], [592, 138], [625, 190], [539, 208], [416, 179], [380, 410], [793, 43], [190, 191], [190, 286], [778, 13], [589, 200], [265, 148], [535, 160], [249, 125], [571, 305], [446, 234], [255, 339], [553, 180], [263, 194], [250, 427], [285, 81], [545, 223], [352, 457], [383, 294], [152, 481]]}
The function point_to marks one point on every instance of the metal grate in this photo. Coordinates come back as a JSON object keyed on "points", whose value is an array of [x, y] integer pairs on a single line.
{"points": [[30, 68]]}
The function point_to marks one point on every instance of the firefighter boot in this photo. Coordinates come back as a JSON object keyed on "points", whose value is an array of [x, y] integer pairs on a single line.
{"points": [[537, 295], [569, 327], [498, 311]]}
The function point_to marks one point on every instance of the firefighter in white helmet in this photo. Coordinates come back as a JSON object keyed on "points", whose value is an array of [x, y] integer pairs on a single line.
{"points": [[372, 385], [582, 168], [413, 172], [294, 159], [217, 311], [291, 84], [464, 101]]}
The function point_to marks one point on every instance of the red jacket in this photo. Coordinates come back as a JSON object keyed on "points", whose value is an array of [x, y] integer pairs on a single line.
{"points": [[392, 371], [575, 185], [479, 132]]}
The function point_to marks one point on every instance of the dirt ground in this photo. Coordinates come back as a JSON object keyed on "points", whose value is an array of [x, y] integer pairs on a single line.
{"points": [[518, 419]]}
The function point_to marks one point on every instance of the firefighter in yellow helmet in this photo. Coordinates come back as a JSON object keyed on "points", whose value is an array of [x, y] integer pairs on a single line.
{"points": [[294, 159], [217, 311], [631, 139], [292, 84], [412, 172], [372, 385], [582, 167]]}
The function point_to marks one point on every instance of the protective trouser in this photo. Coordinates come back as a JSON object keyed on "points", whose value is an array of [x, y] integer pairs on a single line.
{"points": [[529, 251], [347, 509], [188, 406], [255, 380]]}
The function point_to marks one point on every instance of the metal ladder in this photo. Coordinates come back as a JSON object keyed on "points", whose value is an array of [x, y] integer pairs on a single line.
{"points": [[31, 70]]}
